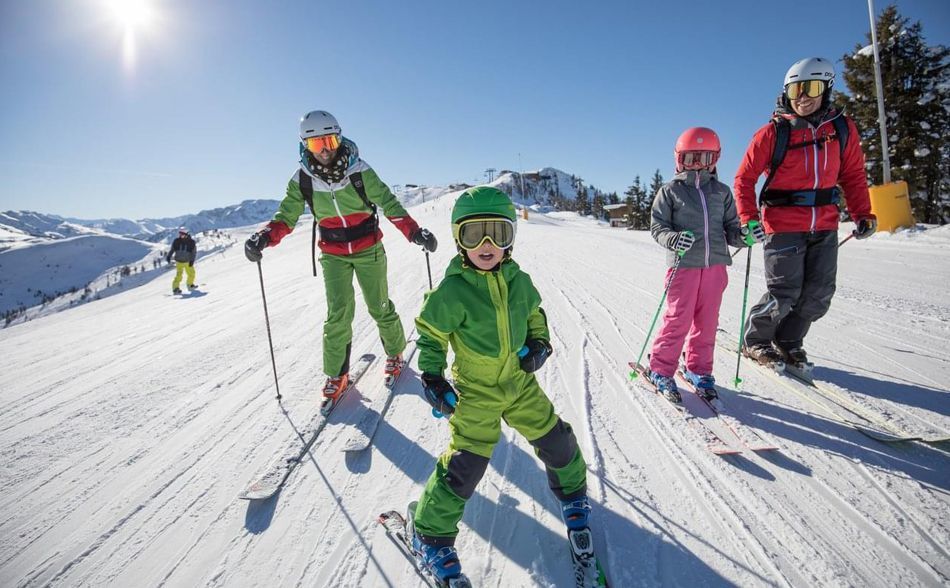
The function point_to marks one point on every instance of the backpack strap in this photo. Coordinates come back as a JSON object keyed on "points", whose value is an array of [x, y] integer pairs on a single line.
{"points": [[357, 181], [783, 129], [842, 130], [306, 189]]}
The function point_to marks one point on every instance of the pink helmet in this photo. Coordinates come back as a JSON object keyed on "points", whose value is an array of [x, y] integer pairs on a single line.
{"points": [[697, 148]]}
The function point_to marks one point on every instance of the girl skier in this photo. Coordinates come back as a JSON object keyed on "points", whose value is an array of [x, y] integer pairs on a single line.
{"points": [[694, 217]]}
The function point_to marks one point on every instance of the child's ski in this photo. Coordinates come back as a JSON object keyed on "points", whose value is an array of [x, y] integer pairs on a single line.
{"points": [[397, 528], [713, 441], [749, 437]]}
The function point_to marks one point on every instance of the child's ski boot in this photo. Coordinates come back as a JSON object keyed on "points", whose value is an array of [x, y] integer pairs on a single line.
{"points": [[666, 386], [704, 384], [441, 562]]}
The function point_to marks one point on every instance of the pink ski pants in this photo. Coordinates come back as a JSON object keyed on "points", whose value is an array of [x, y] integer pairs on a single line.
{"points": [[692, 315]]}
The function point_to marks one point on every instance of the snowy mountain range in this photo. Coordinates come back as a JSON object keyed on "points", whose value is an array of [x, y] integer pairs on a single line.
{"points": [[49, 262]]}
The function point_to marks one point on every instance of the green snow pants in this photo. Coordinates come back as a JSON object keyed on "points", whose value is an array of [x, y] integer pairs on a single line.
{"points": [[517, 398], [369, 266], [183, 266]]}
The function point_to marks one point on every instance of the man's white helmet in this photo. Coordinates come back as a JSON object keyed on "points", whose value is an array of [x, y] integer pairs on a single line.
{"points": [[813, 68], [317, 123]]}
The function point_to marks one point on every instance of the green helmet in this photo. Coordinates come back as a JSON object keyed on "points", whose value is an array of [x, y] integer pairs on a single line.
{"points": [[483, 201]]}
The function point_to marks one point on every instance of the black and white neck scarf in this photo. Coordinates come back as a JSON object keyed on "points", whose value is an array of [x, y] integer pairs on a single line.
{"points": [[335, 171]]}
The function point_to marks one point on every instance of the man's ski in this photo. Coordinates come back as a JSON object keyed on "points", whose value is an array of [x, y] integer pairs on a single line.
{"points": [[397, 529], [785, 378], [749, 437], [713, 441], [362, 434], [273, 478]]}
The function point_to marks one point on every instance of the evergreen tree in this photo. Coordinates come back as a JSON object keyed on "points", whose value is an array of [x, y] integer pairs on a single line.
{"points": [[916, 81], [597, 206], [639, 204]]}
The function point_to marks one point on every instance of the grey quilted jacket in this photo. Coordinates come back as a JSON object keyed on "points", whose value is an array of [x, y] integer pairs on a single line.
{"points": [[697, 202]]}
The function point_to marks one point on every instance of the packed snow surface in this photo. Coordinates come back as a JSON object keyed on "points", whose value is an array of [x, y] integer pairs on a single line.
{"points": [[129, 425]]}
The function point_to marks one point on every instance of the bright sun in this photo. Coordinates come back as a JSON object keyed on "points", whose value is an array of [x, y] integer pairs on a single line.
{"points": [[133, 18], [131, 15]]}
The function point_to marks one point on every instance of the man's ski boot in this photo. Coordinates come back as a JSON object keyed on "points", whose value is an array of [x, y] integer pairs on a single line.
{"points": [[176, 290], [765, 355], [666, 386], [192, 287], [333, 389], [394, 365], [705, 385], [441, 562]]}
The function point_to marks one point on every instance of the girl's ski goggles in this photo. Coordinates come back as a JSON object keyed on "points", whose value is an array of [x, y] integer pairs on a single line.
{"points": [[810, 88], [698, 159], [318, 144], [470, 234]]}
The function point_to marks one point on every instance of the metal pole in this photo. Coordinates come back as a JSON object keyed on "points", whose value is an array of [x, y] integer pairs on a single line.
{"points": [[273, 363], [882, 119], [521, 167], [429, 270]]}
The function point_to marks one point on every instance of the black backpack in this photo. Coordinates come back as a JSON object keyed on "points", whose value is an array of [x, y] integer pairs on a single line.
{"points": [[783, 129], [306, 188]]}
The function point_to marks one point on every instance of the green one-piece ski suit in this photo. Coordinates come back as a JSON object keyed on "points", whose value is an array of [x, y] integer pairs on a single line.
{"points": [[486, 316]]}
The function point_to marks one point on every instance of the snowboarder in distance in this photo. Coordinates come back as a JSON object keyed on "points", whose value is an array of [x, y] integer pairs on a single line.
{"points": [[694, 218], [808, 150], [184, 251], [343, 193], [489, 311]]}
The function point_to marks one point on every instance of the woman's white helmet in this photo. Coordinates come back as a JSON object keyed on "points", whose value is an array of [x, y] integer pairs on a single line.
{"points": [[317, 123], [813, 68]]}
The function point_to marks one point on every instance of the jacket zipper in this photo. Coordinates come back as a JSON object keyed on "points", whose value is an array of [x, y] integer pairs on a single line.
{"points": [[499, 293], [702, 198], [814, 148]]}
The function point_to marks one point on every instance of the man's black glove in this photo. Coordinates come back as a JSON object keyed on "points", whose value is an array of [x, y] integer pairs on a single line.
{"points": [[439, 394], [425, 238], [865, 228], [256, 244], [534, 353]]}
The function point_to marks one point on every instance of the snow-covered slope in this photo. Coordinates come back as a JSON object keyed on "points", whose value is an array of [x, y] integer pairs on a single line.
{"points": [[129, 425]]}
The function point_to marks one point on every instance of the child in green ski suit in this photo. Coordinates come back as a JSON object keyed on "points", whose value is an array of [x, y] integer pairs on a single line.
{"points": [[489, 311]]}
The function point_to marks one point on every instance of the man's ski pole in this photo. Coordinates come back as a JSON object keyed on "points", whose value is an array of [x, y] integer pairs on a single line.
{"points": [[267, 322], [656, 315], [745, 298], [846, 239]]}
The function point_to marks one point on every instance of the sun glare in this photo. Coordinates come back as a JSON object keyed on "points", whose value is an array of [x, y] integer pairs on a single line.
{"points": [[133, 18], [131, 15]]}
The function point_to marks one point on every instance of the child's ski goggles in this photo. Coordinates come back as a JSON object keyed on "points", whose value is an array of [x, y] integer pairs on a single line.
{"points": [[318, 144], [810, 88], [470, 234], [694, 159]]}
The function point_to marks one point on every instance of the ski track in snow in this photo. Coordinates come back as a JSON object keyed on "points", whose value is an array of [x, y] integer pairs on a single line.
{"points": [[129, 426]]}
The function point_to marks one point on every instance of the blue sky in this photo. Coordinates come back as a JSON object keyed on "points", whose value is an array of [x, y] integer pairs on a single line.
{"points": [[433, 92]]}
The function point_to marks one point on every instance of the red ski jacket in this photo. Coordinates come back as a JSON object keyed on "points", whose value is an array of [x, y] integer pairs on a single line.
{"points": [[819, 164]]}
